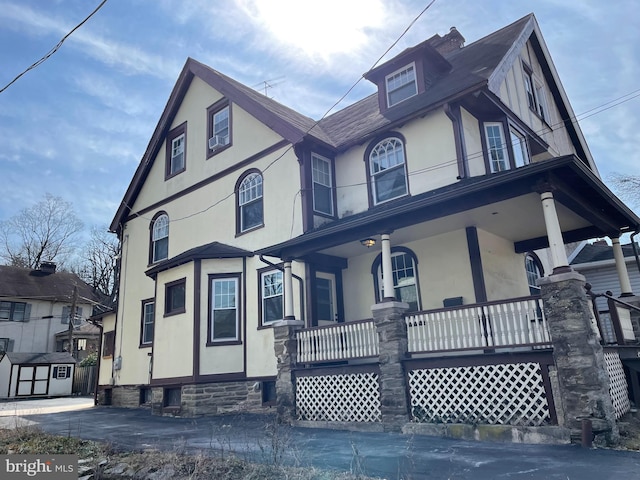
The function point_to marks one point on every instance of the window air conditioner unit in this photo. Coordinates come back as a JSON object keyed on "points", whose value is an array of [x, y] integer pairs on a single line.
{"points": [[217, 141]]}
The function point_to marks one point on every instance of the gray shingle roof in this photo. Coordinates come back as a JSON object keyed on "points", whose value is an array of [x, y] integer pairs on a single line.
{"points": [[26, 283], [597, 253], [36, 358]]}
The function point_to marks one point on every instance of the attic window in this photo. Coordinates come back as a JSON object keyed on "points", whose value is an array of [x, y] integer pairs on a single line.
{"points": [[401, 85]]}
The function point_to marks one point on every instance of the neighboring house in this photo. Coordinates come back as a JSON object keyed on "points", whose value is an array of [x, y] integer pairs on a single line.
{"points": [[35, 306], [596, 262], [36, 374], [434, 192]]}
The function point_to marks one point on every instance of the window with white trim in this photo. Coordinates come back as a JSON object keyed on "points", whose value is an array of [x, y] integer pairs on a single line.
{"points": [[160, 238], [321, 177], [519, 147], [62, 371], [148, 320], [15, 311], [541, 100], [177, 155], [66, 313], [532, 267], [404, 280], [221, 125], [271, 289], [387, 170], [250, 202], [224, 309], [401, 85], [496, 147]]}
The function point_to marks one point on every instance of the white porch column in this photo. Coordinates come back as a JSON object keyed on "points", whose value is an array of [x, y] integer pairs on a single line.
{"points": [[621, 268], [288, 292], [554, 233], [387, 269]]}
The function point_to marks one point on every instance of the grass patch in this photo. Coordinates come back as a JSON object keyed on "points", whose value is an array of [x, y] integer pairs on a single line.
{"points": [[104, 463]]}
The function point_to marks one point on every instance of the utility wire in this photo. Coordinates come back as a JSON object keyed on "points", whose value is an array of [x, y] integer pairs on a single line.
{"points": [[54, 49]]}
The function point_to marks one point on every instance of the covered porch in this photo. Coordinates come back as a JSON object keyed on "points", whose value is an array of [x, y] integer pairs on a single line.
{"points": [[436, 290]]}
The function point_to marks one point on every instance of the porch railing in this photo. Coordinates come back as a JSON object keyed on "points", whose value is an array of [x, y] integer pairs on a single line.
{"points": [[337, 342], [507, 323]]}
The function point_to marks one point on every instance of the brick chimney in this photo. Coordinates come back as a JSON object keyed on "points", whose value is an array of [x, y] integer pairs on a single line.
{"points": [[450, 42], [47, 267]]}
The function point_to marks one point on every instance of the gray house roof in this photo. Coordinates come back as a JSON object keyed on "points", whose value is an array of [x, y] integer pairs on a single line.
{"points": [[597, 253], [36, 284], [39, 358]]}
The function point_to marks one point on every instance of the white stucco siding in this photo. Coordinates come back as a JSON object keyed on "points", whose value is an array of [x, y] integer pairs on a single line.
{"points": [[173, 334], [351, 181], [37, 333], [473, 144], [504, 271]]}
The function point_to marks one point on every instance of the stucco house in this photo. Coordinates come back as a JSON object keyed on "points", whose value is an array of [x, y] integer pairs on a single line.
{"points": [[35, 306], [342, 269]]}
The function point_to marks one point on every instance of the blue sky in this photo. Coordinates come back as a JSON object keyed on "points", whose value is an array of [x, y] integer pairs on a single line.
{"points": [[78, 125]]}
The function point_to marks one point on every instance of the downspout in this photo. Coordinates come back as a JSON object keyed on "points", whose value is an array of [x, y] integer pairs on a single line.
{"points": [[300, 280]]}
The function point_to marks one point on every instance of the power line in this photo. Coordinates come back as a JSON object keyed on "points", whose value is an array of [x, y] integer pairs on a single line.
{"points": [[54, 49]]}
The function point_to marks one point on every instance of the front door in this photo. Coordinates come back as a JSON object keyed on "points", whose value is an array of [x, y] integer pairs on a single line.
{"points": [[325, 295]]}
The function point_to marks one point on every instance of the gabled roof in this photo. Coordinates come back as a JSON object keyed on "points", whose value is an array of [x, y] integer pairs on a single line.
{"points": [[597, 253], [210, 250], [25, 283], [479, 65], [20, 358]]}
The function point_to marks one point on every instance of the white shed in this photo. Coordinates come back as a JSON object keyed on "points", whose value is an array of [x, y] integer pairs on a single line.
{"points": [[36, 374]]}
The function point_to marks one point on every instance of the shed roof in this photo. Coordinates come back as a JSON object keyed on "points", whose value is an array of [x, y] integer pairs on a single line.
{"points": [[21, 358]]}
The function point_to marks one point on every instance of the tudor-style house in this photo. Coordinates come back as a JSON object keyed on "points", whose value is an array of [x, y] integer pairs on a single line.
{"points": [[246, 219]]}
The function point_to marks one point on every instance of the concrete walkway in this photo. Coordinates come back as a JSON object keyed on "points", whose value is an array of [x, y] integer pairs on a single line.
{"points": [[390, 456]]}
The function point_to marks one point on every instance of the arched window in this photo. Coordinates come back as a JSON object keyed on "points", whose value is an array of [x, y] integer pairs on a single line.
{"points": [[404, 266], [534, 270], [160, 238], [387, 170], [250, 211]]}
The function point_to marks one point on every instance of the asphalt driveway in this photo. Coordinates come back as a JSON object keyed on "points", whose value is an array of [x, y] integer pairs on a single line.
{"points": [[391, 456]]}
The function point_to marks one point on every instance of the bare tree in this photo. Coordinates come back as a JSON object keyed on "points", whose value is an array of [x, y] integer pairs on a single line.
{"points": [[47, 231], [97, 261]]}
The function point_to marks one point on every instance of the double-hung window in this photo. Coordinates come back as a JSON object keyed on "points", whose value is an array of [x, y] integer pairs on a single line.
{"points": [[322, 183], [218, 127], [221, 126], [14, 311], [271, 296], [401, 85], [535, 91], [404, 280], [148, 319], [250, 211], [388, 170], [534, 273], [160, 238], [496, 147], [224, 317], [66, 315], [176, 151]]}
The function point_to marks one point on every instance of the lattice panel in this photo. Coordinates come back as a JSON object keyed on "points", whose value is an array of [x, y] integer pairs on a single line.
{"points": [[339, 398], [506, 394], [617, 384]]}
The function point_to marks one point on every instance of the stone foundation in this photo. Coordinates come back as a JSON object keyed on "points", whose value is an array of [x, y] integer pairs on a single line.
{"points": [[121, 396]]}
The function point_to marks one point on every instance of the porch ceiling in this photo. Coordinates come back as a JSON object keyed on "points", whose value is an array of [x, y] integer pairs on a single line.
{"points": [[506, 204]]}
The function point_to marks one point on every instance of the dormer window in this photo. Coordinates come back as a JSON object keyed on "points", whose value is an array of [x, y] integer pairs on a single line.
{"points": [[401, 85]]}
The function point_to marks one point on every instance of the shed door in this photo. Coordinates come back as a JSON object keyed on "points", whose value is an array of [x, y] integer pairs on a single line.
{"points": [[32, 380]]}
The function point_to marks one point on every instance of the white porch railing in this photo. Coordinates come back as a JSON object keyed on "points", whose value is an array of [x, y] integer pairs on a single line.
{"points": [[514, 322], [337, 342]]}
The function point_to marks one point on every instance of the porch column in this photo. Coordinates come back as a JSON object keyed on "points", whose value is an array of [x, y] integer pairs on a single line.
{"points": [[285, 347], [621, 268], [288, 292], [387, 269], [581, 369], [554, 233], [388, 318]]}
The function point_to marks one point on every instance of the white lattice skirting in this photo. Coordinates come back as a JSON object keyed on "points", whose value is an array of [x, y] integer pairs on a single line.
{"points": [[617, 384], [339, 398], [505, 394]]}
